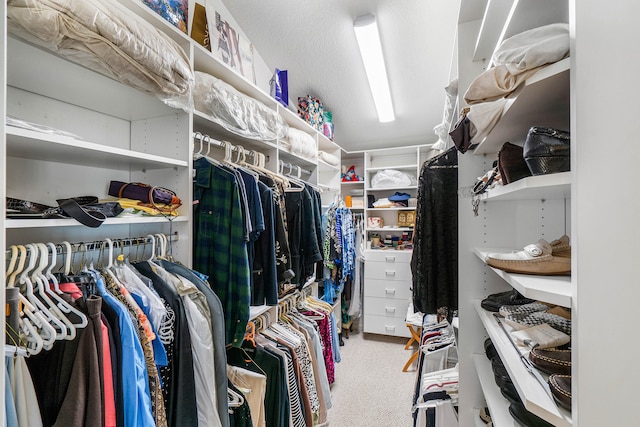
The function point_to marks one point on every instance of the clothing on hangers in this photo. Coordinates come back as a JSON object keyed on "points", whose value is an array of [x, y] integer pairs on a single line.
{"points": [[434, 261]]}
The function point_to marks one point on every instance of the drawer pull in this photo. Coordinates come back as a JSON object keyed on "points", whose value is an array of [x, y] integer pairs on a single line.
{"points": [[390, 309], [389, 291], [390, 273], [390, 259], [390, 328]]}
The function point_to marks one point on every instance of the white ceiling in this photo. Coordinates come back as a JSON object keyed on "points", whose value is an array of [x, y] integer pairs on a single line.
{"points": [[315, 42]]}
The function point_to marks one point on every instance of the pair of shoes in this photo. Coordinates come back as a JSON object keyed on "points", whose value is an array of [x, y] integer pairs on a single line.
{"points": [[551, 360], [533, 307], [526, 418], [557, 317], [536, 258], [494, 301], [560, 386]]}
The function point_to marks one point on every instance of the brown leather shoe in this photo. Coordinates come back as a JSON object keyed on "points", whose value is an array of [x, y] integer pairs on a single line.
{"points": [[560, 386], [561, 247], [551, 360]]}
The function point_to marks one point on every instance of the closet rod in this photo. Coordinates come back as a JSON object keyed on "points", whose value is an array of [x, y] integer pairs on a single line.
{"points": [[79, 247], [203, 138]]}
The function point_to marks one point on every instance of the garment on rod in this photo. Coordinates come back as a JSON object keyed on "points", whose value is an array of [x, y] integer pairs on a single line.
{"points": [[217, 332], [434, 261], [264, 288], [220, 251]]}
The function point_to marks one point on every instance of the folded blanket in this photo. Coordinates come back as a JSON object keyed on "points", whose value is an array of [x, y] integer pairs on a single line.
{"points": [[104, 36]]}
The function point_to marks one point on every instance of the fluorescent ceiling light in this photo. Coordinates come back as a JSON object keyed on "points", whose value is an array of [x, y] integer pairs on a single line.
{"points": [[371, 50]]}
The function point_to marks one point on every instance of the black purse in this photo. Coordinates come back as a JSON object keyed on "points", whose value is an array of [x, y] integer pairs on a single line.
{"points": [[86, 210]]}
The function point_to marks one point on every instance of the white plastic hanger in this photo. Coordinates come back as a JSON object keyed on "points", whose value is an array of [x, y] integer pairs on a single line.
{"points": [[62, 304], [50, 319], [41, 284], [40, 328], [153, 246]]}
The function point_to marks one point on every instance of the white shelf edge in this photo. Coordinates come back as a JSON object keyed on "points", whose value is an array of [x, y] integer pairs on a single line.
{"points": [[351, 182], [410, 187], [392, 209], [201, 118], [498, 405], [257, 310], [533, 395], [399, 167], [330, 166], [70, 222], [551, 289], [389, 229], [82, 146], [551, 186]]}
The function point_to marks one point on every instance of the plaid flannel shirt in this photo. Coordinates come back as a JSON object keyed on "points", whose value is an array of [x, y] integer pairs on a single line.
{"points": [[220, 249]]}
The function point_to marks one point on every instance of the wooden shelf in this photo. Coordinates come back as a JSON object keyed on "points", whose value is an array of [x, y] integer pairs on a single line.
{"points": [[29, 144], [548, 187], [542, 101], [551, 289], [70, 222], [498, 405], [533, 395]]}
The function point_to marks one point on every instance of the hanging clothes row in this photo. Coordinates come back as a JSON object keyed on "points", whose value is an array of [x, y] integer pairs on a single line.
{"points": [[249, 224], [148, 347], [338, 249], [285, 366]]}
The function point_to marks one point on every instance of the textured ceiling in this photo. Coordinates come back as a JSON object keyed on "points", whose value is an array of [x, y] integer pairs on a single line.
{"points": [[315, 42]]}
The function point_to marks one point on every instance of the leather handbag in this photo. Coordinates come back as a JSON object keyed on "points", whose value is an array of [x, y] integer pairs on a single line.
{"points": [[547, 150], [86, 210], [511, 163], [461, 133], [144, 193]]}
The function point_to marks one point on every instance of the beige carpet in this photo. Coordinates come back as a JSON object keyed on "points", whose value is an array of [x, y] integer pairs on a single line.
{"points": [[370, 387]]}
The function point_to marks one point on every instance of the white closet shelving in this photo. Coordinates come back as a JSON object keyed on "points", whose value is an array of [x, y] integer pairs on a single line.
{"points": [[122, 134], [512, 216]]}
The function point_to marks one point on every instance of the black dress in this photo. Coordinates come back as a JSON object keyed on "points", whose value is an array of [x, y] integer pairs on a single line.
{"points": [[434, 261]]}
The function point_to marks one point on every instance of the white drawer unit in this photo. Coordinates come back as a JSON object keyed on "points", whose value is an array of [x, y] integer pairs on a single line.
{"points": [[389, 256], [381, 288], [387, 292], [386, 326], [385, 271], [386, 307]]}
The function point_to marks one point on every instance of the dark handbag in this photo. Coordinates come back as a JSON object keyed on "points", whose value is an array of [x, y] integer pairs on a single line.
{"points": [[511, 163], [547, 150], [86, 210], [144, 193], [461, 133]]}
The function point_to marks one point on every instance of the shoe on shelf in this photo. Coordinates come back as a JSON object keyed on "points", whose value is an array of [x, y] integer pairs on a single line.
{"points": [[551, 360], [485, 416], [555, 317], [526, 418], [494, 301], [536, 258], [561, 247], [533, 307], [560, 386]]}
